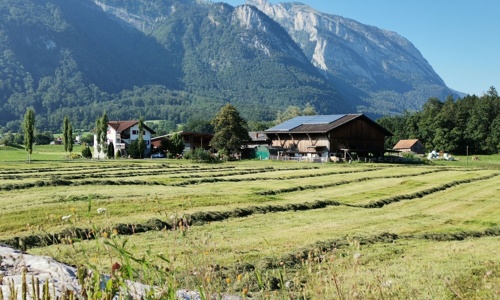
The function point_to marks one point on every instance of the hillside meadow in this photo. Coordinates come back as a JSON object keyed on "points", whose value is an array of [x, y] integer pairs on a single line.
{"points": [[263, 229]]}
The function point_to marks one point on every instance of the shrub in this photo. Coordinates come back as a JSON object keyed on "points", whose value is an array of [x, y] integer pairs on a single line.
{"points": [[77, 156], [111, 150], [86, 151], [199, 155]]}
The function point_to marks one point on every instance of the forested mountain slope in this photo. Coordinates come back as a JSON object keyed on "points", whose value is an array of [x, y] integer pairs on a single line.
{"points": [[175, 60]]}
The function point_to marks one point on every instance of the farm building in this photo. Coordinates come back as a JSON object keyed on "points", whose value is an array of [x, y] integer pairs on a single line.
{"points": [[257, 138], [322, 137], [414, 146], [192, 140], [121, 134]]}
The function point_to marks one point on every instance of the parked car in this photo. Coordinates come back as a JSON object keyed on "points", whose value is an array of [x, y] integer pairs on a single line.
{"points": [[158, 155]]}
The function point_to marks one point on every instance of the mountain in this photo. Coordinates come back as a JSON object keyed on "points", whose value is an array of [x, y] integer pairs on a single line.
{"points": [[379, 70], [177, 60]]}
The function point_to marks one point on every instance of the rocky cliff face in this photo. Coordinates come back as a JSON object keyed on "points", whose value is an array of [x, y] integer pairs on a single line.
{"points": [[370, 64]]}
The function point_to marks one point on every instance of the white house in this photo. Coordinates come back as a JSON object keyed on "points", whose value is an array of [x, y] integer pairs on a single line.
{"points": [[122, 133]]}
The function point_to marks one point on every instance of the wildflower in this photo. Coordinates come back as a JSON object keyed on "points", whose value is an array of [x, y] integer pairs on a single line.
{"points": [[388, 283], [245, 291], [228, 280], [240, 277], [115, 268]]}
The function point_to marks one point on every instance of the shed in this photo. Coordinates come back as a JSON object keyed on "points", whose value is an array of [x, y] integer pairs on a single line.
{"points": [[413, 145]]}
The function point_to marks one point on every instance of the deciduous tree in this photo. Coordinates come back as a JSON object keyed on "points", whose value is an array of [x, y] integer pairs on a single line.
{"points": [[141, 144], [176, 145], [29, 131], [231, 130], [67, 135], [101, 125]]}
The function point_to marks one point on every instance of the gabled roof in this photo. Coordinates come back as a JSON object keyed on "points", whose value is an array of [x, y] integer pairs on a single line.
{"points": [[120, 126], [405, 144], [293, 123], [320, 124], [257, 136]]}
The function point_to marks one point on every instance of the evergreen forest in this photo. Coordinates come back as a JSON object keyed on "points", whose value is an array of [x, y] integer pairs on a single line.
{"points": [[470, 125]]}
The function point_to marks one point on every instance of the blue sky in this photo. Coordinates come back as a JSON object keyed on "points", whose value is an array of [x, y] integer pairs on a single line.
{"points": [[459, 38]]}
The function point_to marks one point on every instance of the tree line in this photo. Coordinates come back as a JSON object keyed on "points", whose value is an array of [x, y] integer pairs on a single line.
{"points": [[470, 124]]}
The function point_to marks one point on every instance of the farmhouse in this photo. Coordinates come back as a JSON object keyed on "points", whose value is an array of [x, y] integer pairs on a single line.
{"points": [[121, 134], [414, 146], [324, 137]]}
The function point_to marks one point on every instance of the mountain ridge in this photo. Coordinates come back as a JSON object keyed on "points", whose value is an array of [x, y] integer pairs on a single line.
{"points": [[361, 57], [178, 60]]}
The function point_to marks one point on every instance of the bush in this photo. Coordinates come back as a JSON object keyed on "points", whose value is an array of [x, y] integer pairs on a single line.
{"points": [[199, 155], [111, 150], [77, 156], [86, 153]]}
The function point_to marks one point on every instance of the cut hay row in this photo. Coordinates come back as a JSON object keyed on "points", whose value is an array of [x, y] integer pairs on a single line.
{"points": [[242, 172], [66, 180], [343, 182], [60, 182], [78, 167], [203, 217], [216, 177], [420, 194], [143, 172], [46, 173], [296, 257]]}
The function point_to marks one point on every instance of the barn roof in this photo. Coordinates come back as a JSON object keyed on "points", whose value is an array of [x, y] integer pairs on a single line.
{"points": [[319, 124], [405, 144]]}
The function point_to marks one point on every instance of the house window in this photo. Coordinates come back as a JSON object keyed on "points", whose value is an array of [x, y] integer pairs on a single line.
{"points": [[135, 131]]}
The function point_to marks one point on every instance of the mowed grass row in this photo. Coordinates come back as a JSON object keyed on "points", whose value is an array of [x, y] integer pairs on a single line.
{"points": [[407, 265], [23, 212], [411, 265]]}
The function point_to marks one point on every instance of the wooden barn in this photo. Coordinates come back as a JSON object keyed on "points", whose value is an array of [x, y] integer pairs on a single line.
{"points": [[327, 136], [413, 145]]}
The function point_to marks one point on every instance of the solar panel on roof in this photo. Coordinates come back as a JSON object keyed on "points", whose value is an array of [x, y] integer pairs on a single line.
{"points": [[290, 124], [324, 119], [300, 120]]}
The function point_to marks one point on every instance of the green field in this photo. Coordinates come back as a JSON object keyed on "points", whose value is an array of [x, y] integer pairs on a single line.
{"points": [[265, 230]]}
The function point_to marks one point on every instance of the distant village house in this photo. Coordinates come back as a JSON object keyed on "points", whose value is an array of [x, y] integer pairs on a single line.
{"points": [[121, 134]]}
